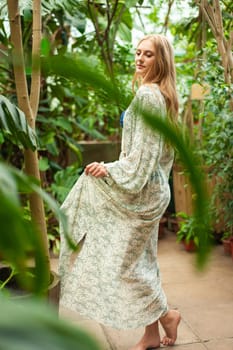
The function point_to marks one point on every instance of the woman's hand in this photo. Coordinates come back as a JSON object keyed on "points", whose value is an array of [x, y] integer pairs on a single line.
{"points": [[96, 169]]}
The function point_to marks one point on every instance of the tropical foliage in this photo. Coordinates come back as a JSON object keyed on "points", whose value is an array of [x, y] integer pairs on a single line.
{"points": [[84, 85], [33, 325]]}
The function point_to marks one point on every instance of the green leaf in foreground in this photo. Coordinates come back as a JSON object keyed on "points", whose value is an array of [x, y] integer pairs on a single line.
{"points": [[174, 135], [18, 236], [30, 325], [82, 70]]}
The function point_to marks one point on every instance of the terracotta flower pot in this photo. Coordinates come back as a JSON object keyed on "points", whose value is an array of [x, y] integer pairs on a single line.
{"points": [[227, 246], [189, 246]]}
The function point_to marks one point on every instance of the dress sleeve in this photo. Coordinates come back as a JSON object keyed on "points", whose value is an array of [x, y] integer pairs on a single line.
{"points": [[133, 171]]}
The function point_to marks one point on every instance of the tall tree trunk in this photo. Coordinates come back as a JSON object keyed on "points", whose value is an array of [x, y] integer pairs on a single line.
{"points": [[30, 108], [36, 41]]}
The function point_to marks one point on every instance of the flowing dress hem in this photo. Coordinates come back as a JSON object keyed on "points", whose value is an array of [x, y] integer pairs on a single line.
{"points": [[120, 325]]}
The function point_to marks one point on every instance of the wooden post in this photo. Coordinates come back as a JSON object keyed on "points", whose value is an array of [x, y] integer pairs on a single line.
{"points": [[29, 107]]}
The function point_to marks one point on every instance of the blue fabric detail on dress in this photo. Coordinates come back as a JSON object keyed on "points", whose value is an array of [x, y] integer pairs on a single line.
{"points": [[122, 119]]}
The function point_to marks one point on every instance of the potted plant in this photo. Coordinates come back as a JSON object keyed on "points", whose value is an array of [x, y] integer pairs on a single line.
{"points": [[187, 233]]}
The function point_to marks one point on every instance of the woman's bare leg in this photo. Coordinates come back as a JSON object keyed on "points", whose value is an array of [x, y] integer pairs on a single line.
{"points": [[170, 324], [150, 339]]}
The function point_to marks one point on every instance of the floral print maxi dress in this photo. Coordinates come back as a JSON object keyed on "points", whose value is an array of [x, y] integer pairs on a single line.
{"points": [[115, 278]]}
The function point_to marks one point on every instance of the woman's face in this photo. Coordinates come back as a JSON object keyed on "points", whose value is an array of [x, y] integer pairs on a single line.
{"points": [[144, 57]]}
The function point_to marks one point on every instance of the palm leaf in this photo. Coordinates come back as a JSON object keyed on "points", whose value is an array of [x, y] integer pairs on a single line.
{"points": [[13, 122], [177, 137], [83, 69]]}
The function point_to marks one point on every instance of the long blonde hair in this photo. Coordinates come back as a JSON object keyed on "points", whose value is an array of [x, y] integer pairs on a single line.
{"points": [[162, 73]]}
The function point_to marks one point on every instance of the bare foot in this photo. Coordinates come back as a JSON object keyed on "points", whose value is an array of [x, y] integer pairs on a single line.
{"points": [[150, 339], [170, 324], [147, 344]]}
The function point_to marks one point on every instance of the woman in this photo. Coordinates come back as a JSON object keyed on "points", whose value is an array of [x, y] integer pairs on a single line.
{"points": [[115, 209]]}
